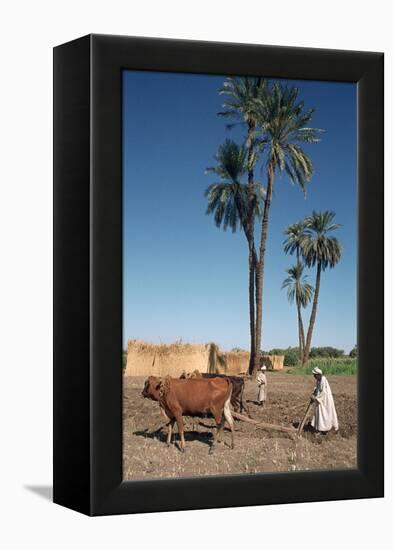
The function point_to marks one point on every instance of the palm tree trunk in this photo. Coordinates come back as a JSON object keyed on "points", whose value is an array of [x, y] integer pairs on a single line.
{"points": [[298, 327], [251, 301], [251, 246], [301, 331], [261, 267], [313, 315], [302, 335], [252, 262], [299, 316]]}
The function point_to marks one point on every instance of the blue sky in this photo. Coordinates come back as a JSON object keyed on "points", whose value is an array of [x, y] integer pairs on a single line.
{"points": [[183, 277]]}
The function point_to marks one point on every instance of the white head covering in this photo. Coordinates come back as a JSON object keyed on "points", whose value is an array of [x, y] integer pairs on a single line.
{"points": [[263, 367], [316, 370]]}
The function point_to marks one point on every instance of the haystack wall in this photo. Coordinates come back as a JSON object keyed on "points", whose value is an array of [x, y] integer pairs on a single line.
{"points": [[145, 359], [273, 362], [238, 362], [234, 362]]}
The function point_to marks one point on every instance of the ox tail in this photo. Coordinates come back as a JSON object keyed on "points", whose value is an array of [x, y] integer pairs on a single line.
{"points": [[228, 413], [228, 396]]}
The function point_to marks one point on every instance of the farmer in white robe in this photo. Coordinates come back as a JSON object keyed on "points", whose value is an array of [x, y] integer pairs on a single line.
{"points": [[325, 416], [262, 386]]}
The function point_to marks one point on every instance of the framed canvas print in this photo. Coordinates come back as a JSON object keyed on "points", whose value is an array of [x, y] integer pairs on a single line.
{"points": [[218, 275]]}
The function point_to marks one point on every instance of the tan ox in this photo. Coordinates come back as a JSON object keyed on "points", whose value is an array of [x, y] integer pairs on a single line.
{"points": [[192, 397], [237, 398]]}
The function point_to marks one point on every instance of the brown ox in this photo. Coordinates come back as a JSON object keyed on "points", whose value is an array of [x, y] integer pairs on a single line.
{"points": [[192, 397], [237, 402]]}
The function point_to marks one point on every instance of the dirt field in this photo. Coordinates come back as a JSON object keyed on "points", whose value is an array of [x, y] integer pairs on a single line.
{"points": [[145, 454]]}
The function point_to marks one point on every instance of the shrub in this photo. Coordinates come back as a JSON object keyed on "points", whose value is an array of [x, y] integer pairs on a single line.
{"points": [[353, 352], [326, 351], [338, 365]]}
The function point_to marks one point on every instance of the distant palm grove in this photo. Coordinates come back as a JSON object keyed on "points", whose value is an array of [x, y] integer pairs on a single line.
{"points": [[276, 125]]}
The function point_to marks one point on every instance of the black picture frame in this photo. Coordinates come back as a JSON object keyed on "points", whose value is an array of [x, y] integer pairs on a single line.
{"points": [[88, 274]]}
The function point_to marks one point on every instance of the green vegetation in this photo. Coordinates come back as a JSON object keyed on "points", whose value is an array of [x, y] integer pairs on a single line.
{"points": [[124, 359], [326, 351], [292, 356], [332, 365]]}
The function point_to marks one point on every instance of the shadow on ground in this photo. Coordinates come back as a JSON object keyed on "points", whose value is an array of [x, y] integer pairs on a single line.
{"points": [[203, 437], [44, 491]]}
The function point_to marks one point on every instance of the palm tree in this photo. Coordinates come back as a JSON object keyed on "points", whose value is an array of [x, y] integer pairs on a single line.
{"points": [[293, 235], [230, 203], [301, 292], [284, 127], [319, 249], [242, 106]]}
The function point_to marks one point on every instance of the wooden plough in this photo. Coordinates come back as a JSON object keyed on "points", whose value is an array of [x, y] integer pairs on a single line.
{"points": [[299, 432], [264, 425]]}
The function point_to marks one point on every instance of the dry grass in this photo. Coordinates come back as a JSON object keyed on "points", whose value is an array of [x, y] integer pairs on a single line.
{"points": [[175, 348]]}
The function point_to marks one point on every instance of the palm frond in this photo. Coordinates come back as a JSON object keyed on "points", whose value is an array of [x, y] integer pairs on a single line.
{"points": [[293, 234], [297, 286], [316, 244], [284, 125], [229, 200]]}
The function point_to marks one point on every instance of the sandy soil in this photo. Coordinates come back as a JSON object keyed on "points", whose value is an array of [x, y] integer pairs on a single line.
{"points": [[145, 454]]}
